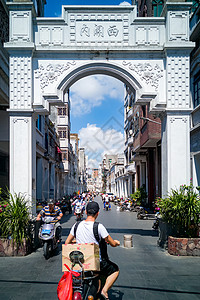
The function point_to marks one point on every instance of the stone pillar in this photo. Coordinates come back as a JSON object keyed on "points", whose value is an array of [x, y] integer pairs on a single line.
{"points": [[22, 121], [22, 155], [175, 119], [175, 150]]}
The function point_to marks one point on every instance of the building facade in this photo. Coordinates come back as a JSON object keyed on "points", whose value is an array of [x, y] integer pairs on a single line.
{"points": [[195, 92], [4, 96]]}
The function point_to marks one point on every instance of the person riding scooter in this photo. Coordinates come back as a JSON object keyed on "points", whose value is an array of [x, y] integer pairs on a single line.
{"points": [[79, 202], [90, 231], [107, 205], [54, 211]]}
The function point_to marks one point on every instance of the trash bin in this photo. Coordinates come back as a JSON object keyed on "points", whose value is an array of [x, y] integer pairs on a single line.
{"points": [[128, 241]]}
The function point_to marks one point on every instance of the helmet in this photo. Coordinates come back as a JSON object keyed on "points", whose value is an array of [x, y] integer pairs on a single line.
{"points": [[50, 202]]}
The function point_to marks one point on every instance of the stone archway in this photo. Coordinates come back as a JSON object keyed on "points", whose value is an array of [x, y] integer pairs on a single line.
{"points": [[150, 55]]}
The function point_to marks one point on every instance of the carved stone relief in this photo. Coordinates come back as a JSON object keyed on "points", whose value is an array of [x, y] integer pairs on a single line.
{"points": [[147, 72], [20, 82], [178, 81], [50, 73]]}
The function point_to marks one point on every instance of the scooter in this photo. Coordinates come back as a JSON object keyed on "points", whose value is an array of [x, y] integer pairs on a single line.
{"points": [[107, 206], [156, 221], [78, 211], [145, 213], [86, 284], [47, 234]]}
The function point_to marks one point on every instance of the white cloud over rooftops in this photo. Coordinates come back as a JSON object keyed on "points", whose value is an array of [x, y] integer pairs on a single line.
{"points": [[92, 91], [98, 142]]}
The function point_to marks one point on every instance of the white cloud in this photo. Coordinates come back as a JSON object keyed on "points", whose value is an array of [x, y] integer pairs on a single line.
{"points": [[98, 142], [91, 91]]}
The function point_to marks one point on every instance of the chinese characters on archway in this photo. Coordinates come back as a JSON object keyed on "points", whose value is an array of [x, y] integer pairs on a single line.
{"points": [[98, 31]]}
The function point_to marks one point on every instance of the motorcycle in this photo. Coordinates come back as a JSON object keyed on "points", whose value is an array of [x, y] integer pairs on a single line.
{"points": [[156, 221], [146, 213], [47, 234], [78, 211], [84, 286]]}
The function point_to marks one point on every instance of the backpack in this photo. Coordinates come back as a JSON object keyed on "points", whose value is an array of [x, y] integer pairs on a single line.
{"points": [[102, 243]]}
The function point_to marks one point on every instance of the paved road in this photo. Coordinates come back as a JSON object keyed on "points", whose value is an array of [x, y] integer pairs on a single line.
{"points": [[146, 271]]}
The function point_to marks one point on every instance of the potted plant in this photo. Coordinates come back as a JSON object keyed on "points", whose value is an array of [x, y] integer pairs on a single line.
{"points": [[139, 197], [180, 214], [14, 224]]}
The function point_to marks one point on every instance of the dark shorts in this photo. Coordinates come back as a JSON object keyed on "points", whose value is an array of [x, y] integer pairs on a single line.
{"points": [[107, 268]]}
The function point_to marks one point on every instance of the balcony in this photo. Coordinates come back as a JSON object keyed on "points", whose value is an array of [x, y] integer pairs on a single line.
{"points": [[129, 113], [130, 140], [130, 168]]}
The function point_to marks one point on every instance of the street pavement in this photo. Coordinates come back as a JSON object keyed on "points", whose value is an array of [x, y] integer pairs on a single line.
{"points": [[146, 271]]}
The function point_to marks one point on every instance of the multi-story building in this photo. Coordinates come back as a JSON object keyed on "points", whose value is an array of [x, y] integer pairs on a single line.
{"points": [[195, 92], [49, 166], [60, 116], [4, 97], [82, 170], [107, 162], [117, 182], [142, 148], [74, 164]]}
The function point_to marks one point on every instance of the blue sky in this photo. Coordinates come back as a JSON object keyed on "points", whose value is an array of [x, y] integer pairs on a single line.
{"points": [[53, 7], [97, 113]]}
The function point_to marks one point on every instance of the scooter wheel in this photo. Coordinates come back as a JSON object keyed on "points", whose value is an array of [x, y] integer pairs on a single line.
{"points": [[46, 249]]}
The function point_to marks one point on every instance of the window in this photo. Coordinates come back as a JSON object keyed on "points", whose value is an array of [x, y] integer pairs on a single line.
{"points": [[143, 111], [62, 133], [64, 155], [157, 6], [62, 111], [197, 90], [39, 123]]}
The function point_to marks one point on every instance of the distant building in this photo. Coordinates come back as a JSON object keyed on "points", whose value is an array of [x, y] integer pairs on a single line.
{"points": [[82, 169], [95, 173]]}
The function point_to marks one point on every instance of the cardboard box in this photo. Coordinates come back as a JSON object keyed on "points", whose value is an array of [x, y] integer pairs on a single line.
{"points": [[90, 252]]}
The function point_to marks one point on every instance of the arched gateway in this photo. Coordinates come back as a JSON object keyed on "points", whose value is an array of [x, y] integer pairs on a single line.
{"points": [[150, 55]]}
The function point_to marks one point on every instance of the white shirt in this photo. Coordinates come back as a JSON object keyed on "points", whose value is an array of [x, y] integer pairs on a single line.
{"points": [[84, 233]]}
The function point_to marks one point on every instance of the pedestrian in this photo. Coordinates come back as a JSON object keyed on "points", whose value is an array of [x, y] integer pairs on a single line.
{"points": [[84, 232]]}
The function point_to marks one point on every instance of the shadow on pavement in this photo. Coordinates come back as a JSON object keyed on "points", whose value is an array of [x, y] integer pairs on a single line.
{"points": [[143, 232], [156, 290], [29, 281], [66, 218]]}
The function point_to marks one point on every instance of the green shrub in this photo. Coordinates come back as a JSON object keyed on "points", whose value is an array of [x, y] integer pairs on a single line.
{"points": [[15, 218], [182, 209], [139, 196]]}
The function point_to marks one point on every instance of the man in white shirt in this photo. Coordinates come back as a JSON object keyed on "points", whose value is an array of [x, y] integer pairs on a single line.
{"points": [[85, 234]]}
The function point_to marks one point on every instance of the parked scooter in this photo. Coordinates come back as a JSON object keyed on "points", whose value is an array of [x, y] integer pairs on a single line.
{"points": [[47, 234], [145, 213], [156, 221]]}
